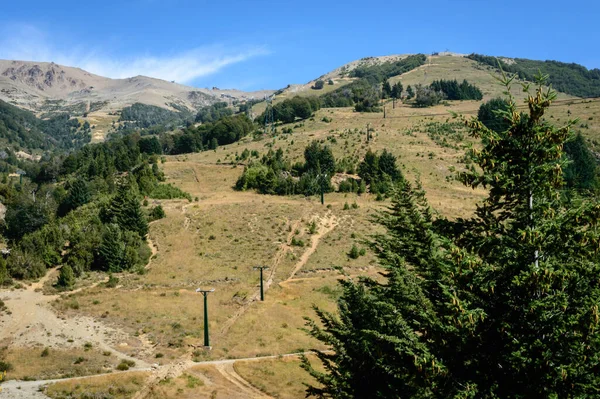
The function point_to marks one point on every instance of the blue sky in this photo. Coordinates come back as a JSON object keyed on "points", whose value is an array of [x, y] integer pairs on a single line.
{"points": [[259, 44]]}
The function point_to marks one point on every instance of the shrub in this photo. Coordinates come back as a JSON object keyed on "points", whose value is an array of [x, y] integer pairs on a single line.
{"points": [[167, 191], [125, 365], [66, 278], [157, 213], [5, 366], [112, 281], [354, 252]]}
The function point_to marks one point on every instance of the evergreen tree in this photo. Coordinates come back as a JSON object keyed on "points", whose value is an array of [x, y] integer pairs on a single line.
{"points": [[79, 194], [66, 278], [397, 90], [386, 89], [502, 305], [111, 252], [125, 210], [387, 165], [319, 159], [409, 92]]}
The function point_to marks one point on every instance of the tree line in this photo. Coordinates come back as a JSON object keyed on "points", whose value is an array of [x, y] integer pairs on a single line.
{"points": [[569, 78], [294, 108], [365, 93]]}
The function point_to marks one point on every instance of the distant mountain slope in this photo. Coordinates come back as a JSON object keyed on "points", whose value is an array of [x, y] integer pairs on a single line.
{"points": [[340, 75], [21, 128], [573, 79], [47, 87]]}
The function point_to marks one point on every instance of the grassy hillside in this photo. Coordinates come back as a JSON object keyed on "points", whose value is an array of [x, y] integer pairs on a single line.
{"points": [[215, 240], [571, 78]]}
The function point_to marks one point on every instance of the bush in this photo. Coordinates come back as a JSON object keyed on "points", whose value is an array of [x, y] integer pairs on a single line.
{"points": [[348, 186], [318, 85], [427, 96], [5, 366], [112, 281], [25, 265], [66, 278], [157, 213], [79, 360], [167, 191], [125, 365], [45, 352], [354, 252]]}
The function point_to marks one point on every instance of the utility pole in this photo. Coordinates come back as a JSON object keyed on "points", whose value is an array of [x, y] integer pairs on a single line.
{"points": [[205, 294], [384, 112], [262, 291]]}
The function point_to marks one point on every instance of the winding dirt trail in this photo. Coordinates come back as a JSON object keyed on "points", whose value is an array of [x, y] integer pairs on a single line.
{"points": [[227, 370], [326, 225]]}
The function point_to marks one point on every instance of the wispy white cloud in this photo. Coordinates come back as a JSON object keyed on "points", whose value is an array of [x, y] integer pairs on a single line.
{"points": [[25, 42]]}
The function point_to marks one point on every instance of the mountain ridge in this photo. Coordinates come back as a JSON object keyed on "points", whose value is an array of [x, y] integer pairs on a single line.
{"points": [[44, 86]]}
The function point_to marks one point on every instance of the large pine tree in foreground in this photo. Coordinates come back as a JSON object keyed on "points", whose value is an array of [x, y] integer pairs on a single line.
{"points": [[501, 305]]}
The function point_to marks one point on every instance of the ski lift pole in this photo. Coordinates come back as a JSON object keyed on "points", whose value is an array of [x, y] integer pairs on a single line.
{"points": [[205, 294]]}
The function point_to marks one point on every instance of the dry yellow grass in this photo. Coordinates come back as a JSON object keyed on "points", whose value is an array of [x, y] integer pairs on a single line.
{"points": [[28, 363], [117, 386], [281, 378]]}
